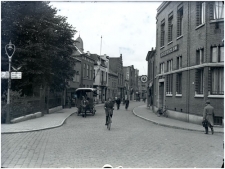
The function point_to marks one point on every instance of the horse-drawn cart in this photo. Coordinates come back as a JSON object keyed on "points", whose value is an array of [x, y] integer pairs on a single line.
{"points": [[85, 101]]}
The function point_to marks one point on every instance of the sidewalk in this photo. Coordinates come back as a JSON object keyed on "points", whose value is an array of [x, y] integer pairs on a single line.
{"points": [[48, 121], [147, 114]]}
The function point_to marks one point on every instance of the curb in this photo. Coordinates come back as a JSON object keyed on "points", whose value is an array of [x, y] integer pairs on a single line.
{"points": [[25, 131], [165, 125]]}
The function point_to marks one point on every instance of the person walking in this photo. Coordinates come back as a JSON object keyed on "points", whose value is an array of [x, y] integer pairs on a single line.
{"points": [[108, 109], [118, 101], [208, 114], [127, 103]]}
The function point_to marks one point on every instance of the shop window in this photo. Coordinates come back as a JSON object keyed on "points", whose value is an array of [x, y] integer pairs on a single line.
{"points": [[170, 28], [217, 54], [199, 74], [179, 83], [200, 13], [217, 81], [199, 56], [180, 21], [162, 33]]}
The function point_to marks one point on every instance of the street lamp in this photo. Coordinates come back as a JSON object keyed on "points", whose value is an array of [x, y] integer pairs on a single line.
{"points": [[9, 50]]}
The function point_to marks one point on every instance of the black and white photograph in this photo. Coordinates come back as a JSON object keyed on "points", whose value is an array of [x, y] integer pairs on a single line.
{"points": [[112, 84]]}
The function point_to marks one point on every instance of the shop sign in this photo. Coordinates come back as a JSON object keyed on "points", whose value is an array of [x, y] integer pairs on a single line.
{"points": [[169, 51]]}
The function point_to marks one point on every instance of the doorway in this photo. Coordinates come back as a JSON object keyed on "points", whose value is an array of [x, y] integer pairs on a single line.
{"points": [[161, 94]]}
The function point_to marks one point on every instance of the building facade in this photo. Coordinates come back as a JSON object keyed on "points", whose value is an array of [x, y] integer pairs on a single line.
{"points": [[189, 59], [129, 74], [112, 84], [116, 66], [100, 76], [150, 58]]}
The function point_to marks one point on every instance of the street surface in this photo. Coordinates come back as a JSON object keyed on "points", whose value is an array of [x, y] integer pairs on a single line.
{"points": [[131, 142]]}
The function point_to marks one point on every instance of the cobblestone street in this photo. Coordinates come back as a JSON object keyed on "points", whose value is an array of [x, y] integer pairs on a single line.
{"points": [[131, 142]]}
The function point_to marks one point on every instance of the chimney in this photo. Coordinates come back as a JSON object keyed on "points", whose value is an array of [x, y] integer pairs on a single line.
{"points": [[88, 53], [152, 49], [121, 55]]}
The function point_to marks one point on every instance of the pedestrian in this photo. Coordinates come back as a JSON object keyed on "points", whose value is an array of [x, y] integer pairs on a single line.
{"points": [[108, 109], [118, 101], [208, 115], [126, 103]]}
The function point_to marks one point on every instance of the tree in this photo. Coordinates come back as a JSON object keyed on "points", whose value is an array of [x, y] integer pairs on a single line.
{"points": [[43, 41]]}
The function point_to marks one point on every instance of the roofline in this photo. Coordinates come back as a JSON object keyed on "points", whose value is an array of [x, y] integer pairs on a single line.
{"points": [[162, 7]]}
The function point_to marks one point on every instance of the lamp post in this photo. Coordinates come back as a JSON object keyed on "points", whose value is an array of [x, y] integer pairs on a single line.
{"points": [[9, 50]]}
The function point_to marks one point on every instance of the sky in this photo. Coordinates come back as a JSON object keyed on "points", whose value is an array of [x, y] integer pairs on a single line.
{"points": [[127, 28]]}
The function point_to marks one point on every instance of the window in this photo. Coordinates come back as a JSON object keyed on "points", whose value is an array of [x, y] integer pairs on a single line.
{"points": [[169, 65], [179, 62], [217, 54], [87, 71], [199, 56], [218, 12], [199, 81], [200, 13], [84, 72], [169, 84], [217, 85], [90, 73], [179, 83], [170, 28], [94, 74], [161, 68], [162, 33], [180, 21]]}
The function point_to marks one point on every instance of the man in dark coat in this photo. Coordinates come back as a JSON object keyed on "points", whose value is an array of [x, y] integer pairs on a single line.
{"points": [[108, 109], [118, 101], [208, 115], [126, 103]]}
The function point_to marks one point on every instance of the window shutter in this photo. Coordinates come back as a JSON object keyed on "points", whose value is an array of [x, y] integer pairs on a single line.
{"points": [[197, 13], [178, 24], [177, 84], [197, 80], [209, 80], [211, 5], [167, 83]]}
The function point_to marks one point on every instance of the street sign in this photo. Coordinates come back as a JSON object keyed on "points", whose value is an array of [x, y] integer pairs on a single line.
{"points": [[14, 75], [5, 75], [144, 78]]}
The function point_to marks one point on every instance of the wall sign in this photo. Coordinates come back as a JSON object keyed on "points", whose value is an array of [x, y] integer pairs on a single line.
{"points": [[169, 51]]}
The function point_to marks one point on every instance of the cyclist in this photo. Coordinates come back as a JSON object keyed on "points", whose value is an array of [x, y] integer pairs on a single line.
{"points": [[109, 109]]}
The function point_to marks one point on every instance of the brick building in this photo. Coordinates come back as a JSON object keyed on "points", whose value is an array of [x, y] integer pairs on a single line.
{"points": [[129, 74], [150, 58], [112, 85], [116, 66], [190, 59]]}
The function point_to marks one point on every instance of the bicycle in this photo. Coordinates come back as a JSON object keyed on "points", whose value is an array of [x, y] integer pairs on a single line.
{"points": [[161, 112], [109, 120]]}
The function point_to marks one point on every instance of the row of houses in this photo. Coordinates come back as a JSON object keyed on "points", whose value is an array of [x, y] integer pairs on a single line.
{"points": [[187, 66], [106, 74]]}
